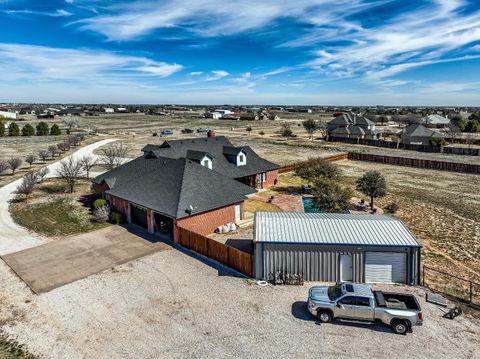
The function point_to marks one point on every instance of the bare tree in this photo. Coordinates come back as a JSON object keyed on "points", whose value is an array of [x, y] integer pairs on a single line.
{"points": [[41, 173], [114, 155], [88, 162], [3, 166], [27, 185], [69, 170], [53, 151], [43, 154], [71, 122], [101, 214], [30, 159], [14, 163], [62, 146]]}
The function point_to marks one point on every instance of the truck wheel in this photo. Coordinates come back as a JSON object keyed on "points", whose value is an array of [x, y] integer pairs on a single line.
{"points": [[324, 316], [400, 327]]}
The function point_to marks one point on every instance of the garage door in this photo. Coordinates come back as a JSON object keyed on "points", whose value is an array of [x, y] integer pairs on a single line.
{"points": [[385, 267], [138, 216]]}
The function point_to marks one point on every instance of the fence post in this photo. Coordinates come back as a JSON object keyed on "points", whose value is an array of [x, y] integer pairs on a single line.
{"points": [[471, 292]]}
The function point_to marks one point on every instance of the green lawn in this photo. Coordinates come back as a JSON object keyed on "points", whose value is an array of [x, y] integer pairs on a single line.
{"points": [[52, 212]]}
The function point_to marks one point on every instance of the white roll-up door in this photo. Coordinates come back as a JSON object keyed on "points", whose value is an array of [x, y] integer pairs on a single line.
{"points": [[385, 267]]}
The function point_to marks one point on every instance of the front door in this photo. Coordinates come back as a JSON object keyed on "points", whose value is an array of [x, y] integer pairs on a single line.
{"points": [[238, 213], [346, 268]]}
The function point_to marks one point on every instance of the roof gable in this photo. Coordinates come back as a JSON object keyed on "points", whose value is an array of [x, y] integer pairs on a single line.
{"points": [[216, 147]]}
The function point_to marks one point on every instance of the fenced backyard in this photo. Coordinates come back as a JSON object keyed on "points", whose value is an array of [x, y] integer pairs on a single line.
{"points": [[231, 257], [465, 151], [416, 162], [460, 288]]}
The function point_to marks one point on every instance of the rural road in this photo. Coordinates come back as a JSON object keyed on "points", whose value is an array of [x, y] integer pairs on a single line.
{"points": [[14, 237]]}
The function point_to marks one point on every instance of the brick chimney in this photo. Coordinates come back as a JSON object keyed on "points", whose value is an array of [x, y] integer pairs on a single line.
{"points": [[211, 133]]}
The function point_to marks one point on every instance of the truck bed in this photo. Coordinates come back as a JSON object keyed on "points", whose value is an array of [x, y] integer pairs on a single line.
{"points": [[396, 301]]}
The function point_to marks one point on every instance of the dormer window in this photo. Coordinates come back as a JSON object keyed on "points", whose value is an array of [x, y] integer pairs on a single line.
{"points": [[241, 159], [206, 162]]}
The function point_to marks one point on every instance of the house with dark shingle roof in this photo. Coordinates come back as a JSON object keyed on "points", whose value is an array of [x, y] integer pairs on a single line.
{"points": [[350, 125], [417, 134], [198, 184]]}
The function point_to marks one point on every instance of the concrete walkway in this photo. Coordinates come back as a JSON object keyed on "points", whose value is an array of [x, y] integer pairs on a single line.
{"points": [[289, 203], [57, 263], [14, 237]]}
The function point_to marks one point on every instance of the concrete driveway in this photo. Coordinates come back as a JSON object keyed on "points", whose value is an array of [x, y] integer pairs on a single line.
{"points": [[57, 263], [14, 237]]}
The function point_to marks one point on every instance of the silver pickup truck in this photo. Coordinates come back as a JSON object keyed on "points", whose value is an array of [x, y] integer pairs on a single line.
{"points": [[358, 303]]}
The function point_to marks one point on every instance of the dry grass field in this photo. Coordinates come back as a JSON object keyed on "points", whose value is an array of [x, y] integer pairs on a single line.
{"points": [[441, 208]]}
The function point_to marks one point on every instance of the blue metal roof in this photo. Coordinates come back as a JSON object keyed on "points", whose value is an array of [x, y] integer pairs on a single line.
{"points": [[332, 229]]}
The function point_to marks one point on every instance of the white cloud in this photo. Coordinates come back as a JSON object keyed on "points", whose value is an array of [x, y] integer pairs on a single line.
{"points": [[27, 62], [430, 35], [56, 13], [210, 18], [218, 74]]}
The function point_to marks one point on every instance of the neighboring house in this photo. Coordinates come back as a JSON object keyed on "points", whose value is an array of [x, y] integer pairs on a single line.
{"points": [[122, 109], [71, 112], [336, 247], [109, 110], [214, 115], [198, 184], [249, 116], [223, 112], [350, 125], [418, 134], [436, 121], [273, 116], [9, 115]]}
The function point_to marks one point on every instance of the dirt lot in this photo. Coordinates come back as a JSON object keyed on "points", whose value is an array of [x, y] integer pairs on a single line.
{"points": [[174, 306]]}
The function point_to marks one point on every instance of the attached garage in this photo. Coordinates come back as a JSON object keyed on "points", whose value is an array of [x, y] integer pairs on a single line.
{"points": [[138, 216], [336, 247]]}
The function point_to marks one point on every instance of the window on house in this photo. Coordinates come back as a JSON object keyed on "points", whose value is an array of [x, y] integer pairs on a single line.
{"points": [[242, 158], [263, 176]]}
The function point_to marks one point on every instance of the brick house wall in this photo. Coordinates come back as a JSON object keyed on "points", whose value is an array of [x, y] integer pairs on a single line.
{"points": [[272, 178], [207, 222], [99, 188], [120, 205]]}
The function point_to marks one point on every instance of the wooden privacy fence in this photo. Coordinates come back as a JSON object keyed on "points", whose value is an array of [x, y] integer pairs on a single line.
{"points": [[416, 162], [332, 158], [231, 257]]}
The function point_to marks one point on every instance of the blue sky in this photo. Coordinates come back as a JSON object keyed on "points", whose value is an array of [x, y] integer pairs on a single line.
{"points": [[345, 52]]}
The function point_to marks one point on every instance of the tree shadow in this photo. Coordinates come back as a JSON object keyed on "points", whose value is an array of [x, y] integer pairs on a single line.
{"points": [[52, 188], [288, 189]]}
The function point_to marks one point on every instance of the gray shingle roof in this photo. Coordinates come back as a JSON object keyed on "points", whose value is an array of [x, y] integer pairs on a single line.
{"points": [[216, 147], [418, 130], [171, 186], [332, 229]]}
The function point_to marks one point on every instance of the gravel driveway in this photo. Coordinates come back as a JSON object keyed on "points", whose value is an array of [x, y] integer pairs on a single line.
{"points": [[14, 237], [172, 305]]}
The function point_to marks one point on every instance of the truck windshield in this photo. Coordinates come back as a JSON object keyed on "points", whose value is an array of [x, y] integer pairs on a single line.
{"points": [[334, 292]]}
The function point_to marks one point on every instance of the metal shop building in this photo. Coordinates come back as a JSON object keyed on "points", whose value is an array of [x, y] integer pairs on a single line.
{"points": [[336, 247]]}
